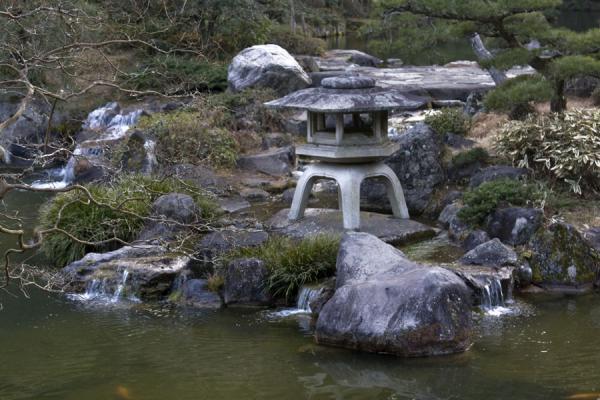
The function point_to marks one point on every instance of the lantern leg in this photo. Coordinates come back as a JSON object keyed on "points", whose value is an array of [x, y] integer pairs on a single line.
{"points": [[301, 195], [394, 191], [349, 188]]}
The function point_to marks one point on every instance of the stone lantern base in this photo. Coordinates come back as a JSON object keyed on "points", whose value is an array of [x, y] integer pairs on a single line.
{"points": [[349, 179]]}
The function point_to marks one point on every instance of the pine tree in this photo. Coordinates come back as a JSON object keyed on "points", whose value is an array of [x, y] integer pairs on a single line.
{"points": [[521, 34]]}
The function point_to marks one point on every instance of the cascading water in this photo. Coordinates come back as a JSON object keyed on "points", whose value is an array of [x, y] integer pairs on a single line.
{"points": [[109, 124], [305, 296], [105, 290], [492, 298]]}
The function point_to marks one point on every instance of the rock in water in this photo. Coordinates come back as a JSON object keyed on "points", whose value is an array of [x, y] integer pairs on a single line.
{"points": [[385, 303], [561, 256], [246, 283], [491, 253], [514, 225], [266, 66]]}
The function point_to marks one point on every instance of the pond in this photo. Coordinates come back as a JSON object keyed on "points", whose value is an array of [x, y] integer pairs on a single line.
{"points": [[57, 348], [459, 49]]}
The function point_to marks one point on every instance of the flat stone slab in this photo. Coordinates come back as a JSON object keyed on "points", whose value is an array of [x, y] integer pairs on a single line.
{"points": [[450, 82], [321, 220]]}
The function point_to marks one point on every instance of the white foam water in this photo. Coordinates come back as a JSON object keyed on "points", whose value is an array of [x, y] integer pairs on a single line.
{"points": [[109, 124], [305, 296]]}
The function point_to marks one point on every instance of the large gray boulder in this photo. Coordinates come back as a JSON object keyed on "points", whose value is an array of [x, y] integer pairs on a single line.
{"points": [[418, 165], [276, 162], [171, 213], [245, 283], [266, 66], [143, 271], [490, 253], [195, 292], [385, 303], [561, 256], [217, 243], [514, 225]]}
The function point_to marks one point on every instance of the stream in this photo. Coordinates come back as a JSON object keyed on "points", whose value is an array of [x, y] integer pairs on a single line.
{"points": [[61, 348]]}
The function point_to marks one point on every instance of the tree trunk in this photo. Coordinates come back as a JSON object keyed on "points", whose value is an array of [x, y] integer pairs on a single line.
{"points": [[292, 17], [483, 54], [558, 103]]}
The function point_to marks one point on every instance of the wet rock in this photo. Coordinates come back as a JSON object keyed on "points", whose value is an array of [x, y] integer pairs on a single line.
{"points": [[266, 66], [217, 243], [325, 294], [497, 172], [233, 204], [320, 220], [474, 239], [448, 213], [524, 275], [457, 228], [418, 166], [195, 292], [202, 176], [560, 256], [514, 225], [151, 271], [254, 194], [174, 211], [592, 235], [489, 285], [275, 162], [397, 307], [490, 253], [245, 283]]}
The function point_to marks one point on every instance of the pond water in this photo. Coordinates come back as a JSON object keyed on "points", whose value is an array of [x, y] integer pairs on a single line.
{"points": [[56, 348], [460, 49]]}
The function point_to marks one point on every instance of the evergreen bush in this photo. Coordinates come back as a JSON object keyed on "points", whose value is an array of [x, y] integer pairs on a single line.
{"points": [[452, 120]]}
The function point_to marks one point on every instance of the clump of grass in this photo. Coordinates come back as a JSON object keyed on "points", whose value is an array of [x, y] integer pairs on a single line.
{"points": [[292, 264], [215, 282], [452, 120], [484, 199], [123, 205], [477, 154]]}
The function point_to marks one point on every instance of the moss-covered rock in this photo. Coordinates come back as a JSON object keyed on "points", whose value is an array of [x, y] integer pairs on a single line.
{"points": [[561, 256]]}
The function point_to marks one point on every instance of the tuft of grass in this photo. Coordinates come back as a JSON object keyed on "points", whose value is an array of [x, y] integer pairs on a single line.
{"points": [[123, 205], [484, 199], [214, 283], [452, 120], [477, 154], [292, 264]]}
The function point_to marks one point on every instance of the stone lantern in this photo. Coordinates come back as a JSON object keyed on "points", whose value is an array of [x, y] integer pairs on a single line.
{"points": [[347, 124]]}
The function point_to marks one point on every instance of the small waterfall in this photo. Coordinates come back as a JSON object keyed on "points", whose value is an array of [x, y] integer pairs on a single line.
{"points": [[493, 301], [5, 156], [110, 124], [306, 295], [105, 290], [151, 162]]}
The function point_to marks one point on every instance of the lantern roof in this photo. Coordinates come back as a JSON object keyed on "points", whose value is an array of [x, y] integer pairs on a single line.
{"points": [[348, 93]]}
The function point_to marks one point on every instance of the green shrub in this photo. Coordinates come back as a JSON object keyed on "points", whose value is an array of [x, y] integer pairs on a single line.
{"points": [[190, 137], [484, 199], [296, 43], [90, 222], [180, 74], [515, 95], [292, 264], [452, 120], [477, 154], [565, 146]]}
